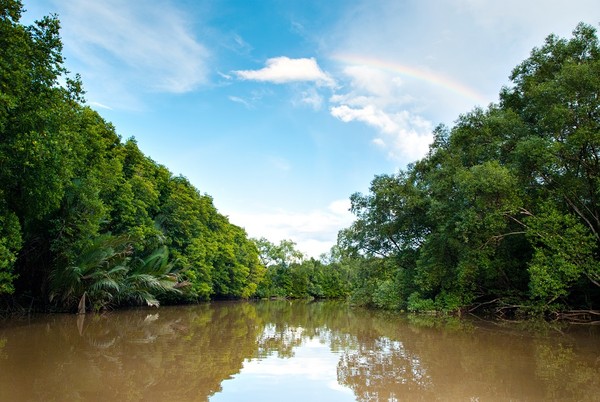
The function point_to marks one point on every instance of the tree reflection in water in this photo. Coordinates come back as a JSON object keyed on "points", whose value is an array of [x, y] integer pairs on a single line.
{"points": [[175, 354], [382, 371], [185, 354]]}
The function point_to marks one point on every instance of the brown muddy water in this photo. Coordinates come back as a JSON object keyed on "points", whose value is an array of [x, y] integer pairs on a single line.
{"points": [[293, 351]]}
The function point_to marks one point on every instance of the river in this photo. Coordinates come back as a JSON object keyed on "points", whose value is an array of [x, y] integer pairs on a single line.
{"points": [[293, 351]]}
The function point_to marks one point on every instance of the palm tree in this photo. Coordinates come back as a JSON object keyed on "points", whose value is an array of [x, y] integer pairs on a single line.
{"points": [[149, 277], [96, 275], [106, 274]]}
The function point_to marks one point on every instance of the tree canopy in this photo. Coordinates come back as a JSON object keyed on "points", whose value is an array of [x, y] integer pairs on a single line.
{"points": [[87, 219], [504, 207]]}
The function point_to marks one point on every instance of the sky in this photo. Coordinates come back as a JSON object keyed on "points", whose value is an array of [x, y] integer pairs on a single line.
{"points": [[282, 109]]}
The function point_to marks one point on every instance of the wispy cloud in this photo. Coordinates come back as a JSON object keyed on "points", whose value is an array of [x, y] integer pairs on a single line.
{"points": [[242, 101], [237, 44], [251, 99], [282, 70], [309, 97], [132, 46], [99, 105], [225, 76]]}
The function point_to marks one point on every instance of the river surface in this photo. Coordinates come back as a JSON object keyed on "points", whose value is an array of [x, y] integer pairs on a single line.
{"points": [[292, 351]]}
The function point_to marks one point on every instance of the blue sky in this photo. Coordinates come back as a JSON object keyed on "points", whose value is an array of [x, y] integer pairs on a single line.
{"points": [[281, 109]]}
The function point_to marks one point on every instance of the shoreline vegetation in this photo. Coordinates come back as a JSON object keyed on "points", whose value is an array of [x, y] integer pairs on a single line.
{"points": [[501, 217]]}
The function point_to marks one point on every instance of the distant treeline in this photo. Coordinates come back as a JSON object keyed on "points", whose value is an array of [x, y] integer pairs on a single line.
{"points": [[501, 214]]}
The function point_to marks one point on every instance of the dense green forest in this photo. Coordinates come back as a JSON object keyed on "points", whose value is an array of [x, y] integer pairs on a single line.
{"points": [[83, 212], [504, 210], [501, 214]]}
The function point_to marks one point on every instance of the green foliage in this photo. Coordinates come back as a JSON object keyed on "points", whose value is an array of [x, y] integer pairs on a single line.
{"points": [[83, 213], [416, 303], [505, 205], [563, 252], [387, 296], [284, 253], [97, 272], [289, 275], [10, 243], [107, 275], [36, 116], [148, 278]]}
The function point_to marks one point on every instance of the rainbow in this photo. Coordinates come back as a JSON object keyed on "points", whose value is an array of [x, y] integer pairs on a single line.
{"points": [[428, 76]]}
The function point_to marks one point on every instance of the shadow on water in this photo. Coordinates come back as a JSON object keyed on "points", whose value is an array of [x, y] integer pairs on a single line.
{"points": [[185, 353]]}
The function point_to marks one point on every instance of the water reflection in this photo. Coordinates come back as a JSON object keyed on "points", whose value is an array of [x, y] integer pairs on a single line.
{"points": [[427, 359], [383, 371], [175, 354], [202, 352]]}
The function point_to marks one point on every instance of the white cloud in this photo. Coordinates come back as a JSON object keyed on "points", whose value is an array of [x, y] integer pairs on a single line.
{"points": [[379, 99], [225, 76], [375, 82], [379, 142], [371, 86], [408, 135], [99, 105], [314, 232], [368, 114], [556, 16], [309, 97], [340, 207], [242, 101], [131, 46], [473, 43], [281, 70]]}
